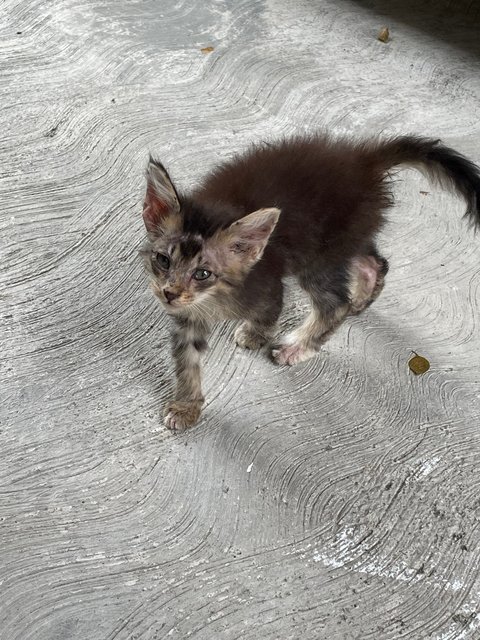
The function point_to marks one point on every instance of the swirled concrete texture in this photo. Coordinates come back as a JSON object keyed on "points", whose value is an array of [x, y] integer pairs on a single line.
{"points": [[338, 500]]}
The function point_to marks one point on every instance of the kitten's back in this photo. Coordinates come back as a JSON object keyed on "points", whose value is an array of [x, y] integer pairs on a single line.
{"points": [[330, 193]]}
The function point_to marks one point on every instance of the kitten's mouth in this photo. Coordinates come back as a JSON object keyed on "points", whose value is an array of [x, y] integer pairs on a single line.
{"points": [[170, 305], [173, 305]]}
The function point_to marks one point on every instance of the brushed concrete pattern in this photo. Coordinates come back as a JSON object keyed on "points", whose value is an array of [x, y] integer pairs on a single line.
{"points": [[338, 500]]}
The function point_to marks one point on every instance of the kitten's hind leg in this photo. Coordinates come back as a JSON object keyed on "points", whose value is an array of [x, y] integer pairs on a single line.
{"points": [[304, 342], [330, 306], [367, 279], [334, 295]]}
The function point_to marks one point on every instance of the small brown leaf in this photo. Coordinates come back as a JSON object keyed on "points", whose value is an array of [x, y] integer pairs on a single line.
{"points": [[384, 34], [207, 49], [418, 364]]}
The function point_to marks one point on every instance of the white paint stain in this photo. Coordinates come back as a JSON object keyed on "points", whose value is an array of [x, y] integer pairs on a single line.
{"points": [[342, 553], [427, 466]]}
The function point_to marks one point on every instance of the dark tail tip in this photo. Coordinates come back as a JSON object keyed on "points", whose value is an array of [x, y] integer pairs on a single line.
{"points": [[461, 174]]}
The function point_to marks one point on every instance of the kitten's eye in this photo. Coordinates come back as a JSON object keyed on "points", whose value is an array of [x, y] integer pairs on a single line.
{"points": [[162, 261], [201, 274]]}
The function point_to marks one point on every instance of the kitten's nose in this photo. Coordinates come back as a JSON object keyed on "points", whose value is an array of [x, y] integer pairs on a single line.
{"points": [[170, 295]]}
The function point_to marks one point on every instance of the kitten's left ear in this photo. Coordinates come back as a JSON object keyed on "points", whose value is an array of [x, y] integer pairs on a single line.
{"points": [[249, 235], [161, 199]]}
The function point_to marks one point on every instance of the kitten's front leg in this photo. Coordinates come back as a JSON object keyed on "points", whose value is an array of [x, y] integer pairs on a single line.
{"points": [[262, 304], [189, 341]]}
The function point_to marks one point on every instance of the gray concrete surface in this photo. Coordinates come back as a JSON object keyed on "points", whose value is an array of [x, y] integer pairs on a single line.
{"points": [[335, 501]]}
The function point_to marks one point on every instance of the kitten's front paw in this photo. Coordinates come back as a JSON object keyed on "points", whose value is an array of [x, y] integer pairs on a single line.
{"points": [[181, 415], [247, 338], [291, 354]]}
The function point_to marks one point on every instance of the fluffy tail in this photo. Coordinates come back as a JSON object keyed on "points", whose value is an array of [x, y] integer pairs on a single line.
{"points": [[442, 164]]}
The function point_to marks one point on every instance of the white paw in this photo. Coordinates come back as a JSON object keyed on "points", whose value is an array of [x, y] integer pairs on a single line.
{"points": [[291, 354]]}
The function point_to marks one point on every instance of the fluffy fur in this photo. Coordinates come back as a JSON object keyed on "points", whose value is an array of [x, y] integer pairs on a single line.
{"points": [[309, 207]]}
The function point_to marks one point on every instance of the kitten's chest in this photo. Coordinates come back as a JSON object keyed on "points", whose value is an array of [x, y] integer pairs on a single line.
{"points": [[227, 307]]}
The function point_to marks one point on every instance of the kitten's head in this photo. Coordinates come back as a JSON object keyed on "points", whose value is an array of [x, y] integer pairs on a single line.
{"points": [[190, 255]]}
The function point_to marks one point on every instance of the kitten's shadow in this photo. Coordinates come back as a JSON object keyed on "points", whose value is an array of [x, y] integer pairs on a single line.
{"points": [[304, 448], [295, 391]]}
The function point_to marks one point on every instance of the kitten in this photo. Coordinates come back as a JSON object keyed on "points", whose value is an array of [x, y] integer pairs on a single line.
{"points": [[309, 207]]}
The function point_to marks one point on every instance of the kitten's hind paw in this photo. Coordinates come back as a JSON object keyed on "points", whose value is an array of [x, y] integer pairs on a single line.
{"points": [[249, 338], [290, 354], [181, 415]]}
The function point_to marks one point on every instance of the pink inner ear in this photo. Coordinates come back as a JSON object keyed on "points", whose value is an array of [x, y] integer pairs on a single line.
{"points": [[154, 210], [152, 200], [149, 218], [257, 234], [251, 240], [252, 235]]}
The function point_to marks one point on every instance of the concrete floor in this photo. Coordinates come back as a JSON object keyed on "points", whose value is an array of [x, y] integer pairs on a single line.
{"points": [[338, 500]]}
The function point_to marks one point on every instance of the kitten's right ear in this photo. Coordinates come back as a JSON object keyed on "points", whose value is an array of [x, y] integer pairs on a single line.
{"points": [[161, 199]]}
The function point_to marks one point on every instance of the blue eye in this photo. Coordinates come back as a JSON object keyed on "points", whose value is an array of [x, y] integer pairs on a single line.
{"points": [[162, 261], [202, 274]]}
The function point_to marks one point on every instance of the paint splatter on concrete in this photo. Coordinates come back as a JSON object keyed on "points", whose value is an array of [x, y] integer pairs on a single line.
{"points": [[358, 514]]}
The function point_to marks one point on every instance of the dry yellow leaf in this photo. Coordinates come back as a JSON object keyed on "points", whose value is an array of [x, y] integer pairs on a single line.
{"points": [[207, 49], [384, 34], [418, 364]]}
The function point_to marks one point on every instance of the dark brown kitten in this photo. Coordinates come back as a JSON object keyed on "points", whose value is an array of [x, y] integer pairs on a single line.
{"points": [[309, 207]]}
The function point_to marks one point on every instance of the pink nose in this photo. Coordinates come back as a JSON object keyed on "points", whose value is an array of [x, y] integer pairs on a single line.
{"points": [[170, 295]]}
